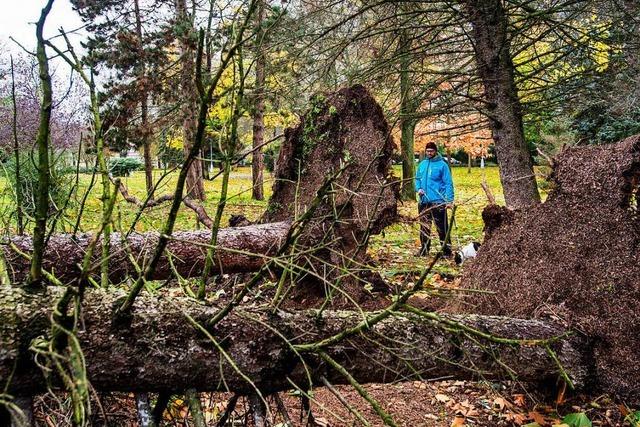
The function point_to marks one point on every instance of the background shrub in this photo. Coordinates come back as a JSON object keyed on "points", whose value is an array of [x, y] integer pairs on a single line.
{"points": [[61, 183], [123, 166]]}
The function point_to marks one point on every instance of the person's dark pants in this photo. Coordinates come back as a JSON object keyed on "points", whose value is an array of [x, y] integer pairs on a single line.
{"points": [[433, 212]]}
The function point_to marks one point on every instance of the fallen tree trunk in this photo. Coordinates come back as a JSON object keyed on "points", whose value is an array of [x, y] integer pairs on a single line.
{"points": [[240, 249], [158, 348]]}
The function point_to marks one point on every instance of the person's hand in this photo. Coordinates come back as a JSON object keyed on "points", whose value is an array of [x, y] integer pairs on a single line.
{"points": [[421, 192]]}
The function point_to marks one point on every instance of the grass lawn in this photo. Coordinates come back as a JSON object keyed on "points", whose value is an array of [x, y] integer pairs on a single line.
{"points": [[469, 197], [394, 249]]}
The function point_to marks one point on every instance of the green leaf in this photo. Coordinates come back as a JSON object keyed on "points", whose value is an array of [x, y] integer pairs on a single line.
{"points": [[633, 418], [578, 419]]}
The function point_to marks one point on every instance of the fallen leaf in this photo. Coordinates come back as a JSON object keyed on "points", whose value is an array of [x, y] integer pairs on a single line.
{"points": [[500, 403], [458, 421], [519, 399], [515, 418], [442, 398], [561, 393], [624, 410], [538, 418]]}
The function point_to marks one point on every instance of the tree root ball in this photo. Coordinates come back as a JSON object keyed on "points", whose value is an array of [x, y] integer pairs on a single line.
{"points": [[343, 127], [575, 257]]}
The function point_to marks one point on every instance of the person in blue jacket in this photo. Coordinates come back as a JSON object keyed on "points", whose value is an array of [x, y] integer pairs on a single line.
{"points": [[434, 186]]}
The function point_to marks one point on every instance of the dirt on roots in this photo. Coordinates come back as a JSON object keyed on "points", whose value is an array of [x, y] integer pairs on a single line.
{"points": [[574, 258], [346, 127]]}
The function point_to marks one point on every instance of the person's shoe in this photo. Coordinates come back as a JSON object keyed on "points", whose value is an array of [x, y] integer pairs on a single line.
{"points": [[446, 251]]}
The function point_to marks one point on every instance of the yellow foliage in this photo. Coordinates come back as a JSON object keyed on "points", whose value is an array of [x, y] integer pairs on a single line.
{"points": [[281, 118], [601, 55], [176, 140]]}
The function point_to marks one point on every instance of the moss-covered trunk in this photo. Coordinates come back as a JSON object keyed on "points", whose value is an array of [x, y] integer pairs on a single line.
{"points": [[42, 145], [161, 347]]}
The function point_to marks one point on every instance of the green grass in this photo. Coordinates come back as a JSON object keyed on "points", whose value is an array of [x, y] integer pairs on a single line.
{"points": [[153, 219], [394, 249], [239, 201]]}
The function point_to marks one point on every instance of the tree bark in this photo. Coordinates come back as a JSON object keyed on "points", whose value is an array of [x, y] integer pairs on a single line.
{"points": [[158, 349], [16, 151], [64, 254], [496, 70], [42, 144], [187, 41], [407, 119], [144, 108], [257, 164]]}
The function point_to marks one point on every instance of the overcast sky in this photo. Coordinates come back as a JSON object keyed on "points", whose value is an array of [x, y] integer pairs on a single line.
{"points": [[18, 19]]}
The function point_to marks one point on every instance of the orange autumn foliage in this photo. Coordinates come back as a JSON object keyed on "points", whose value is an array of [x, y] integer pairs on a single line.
{"points": [[464, 132]]}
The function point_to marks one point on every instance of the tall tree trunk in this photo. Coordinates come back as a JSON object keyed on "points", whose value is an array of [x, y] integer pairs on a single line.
{"points": [[162, 332], [101, 153], [187, 41], [257, 165], [42, 144], [144, 113], [407, 119], [496, 69], [16, 151]]}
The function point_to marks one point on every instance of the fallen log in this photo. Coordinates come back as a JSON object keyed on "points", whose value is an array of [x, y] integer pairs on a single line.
{"points": [[240, 249], [159, 349], [363, 201]]}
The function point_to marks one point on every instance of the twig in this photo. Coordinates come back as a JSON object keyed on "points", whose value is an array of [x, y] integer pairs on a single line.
{"points": [[545, 156], [386, 418], [231, 406], [294, 232], [199, 210], [490, 197], [283, 410], [344, 402]]}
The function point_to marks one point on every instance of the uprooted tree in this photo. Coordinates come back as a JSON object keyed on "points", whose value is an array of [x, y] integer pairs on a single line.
{"points": [[574, 258], [333, 191]]}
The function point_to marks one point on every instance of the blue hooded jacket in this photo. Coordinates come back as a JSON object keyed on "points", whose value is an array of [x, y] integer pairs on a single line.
{"points": [[434, 178]]}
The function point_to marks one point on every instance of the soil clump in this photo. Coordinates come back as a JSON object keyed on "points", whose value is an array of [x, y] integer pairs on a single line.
{"points": [[574, 258]]}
